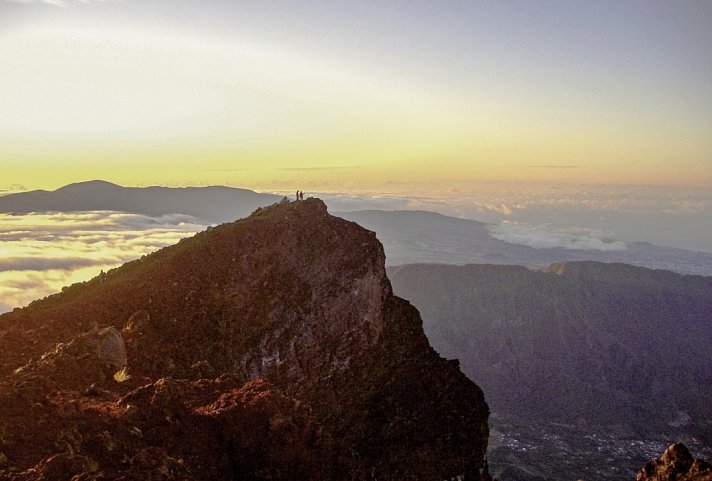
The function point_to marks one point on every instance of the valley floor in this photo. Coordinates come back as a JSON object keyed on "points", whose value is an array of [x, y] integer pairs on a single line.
{"points": [[531, 451]]}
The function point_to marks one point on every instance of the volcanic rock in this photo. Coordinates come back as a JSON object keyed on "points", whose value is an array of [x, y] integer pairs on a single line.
{"points": [[676, 464], [270, 348]]}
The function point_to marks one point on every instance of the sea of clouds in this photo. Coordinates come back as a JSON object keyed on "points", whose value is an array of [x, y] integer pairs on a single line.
{"points": [[41, 253], [537, 214], [546, 236]]}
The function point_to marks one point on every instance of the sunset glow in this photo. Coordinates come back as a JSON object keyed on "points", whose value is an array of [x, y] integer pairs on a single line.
{"points": [[353, 96]]}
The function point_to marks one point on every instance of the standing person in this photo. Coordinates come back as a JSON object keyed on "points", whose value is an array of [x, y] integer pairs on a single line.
{"points": [[301, 195], [297, 195]]}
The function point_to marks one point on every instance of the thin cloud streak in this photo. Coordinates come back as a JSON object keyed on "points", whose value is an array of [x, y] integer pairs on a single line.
{"points": [[317, 169], [35, 264], [553, 166], [58, 3]]}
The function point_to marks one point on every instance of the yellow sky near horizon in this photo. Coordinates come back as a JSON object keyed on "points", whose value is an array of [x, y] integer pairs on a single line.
{"points": [[83, 96]]}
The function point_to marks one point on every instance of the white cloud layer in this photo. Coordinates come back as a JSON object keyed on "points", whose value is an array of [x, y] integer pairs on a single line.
{"points": [[665, 216], [545, 237], [41, 253]]}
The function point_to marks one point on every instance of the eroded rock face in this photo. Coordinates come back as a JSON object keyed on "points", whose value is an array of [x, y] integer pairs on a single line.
{"points": [[270, 348], [676, 464]]}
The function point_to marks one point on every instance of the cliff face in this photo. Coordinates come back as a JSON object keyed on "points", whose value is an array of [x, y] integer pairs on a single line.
{"points": [[269, 348]]}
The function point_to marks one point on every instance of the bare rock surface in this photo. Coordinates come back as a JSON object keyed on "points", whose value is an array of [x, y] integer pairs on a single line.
{"points": [[270, 348], [676, 464]]}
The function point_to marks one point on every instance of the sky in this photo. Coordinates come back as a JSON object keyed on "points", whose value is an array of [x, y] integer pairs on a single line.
{"points": [[376, 96], [554, 120]]}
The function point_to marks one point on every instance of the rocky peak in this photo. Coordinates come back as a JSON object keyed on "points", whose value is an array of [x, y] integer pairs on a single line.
{"points": [[676, 464], [292, 299]]}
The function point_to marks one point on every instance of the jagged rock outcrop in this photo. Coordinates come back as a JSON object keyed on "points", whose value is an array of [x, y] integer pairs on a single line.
{"points": [[269, 348], [676, 464]]}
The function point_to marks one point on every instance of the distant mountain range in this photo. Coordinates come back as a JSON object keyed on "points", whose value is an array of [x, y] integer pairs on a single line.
{"points": [[582, 342], [408, 236], [419, 236], [209, 204]]}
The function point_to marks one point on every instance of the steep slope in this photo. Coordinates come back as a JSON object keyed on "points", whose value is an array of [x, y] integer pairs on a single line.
{"points": [[610, 344], [209, 204], [269, 348]]}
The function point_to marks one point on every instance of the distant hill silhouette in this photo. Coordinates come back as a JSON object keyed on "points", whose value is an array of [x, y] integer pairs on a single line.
{"points": [[210, 204]]}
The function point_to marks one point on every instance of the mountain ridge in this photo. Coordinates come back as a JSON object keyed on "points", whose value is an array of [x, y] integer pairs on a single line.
{"points": [[587, 366], [214, 204]]}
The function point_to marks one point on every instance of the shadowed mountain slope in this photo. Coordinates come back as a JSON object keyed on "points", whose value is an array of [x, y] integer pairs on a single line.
{"points": [[609, 344], [268, 348]]}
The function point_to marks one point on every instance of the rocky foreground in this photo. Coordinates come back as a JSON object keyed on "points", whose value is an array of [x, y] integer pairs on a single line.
{"points": [[676, 464], [271, 348]]}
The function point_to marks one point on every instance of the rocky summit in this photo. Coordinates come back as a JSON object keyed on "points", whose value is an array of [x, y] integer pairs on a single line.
{"points": [[271, 348]]}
